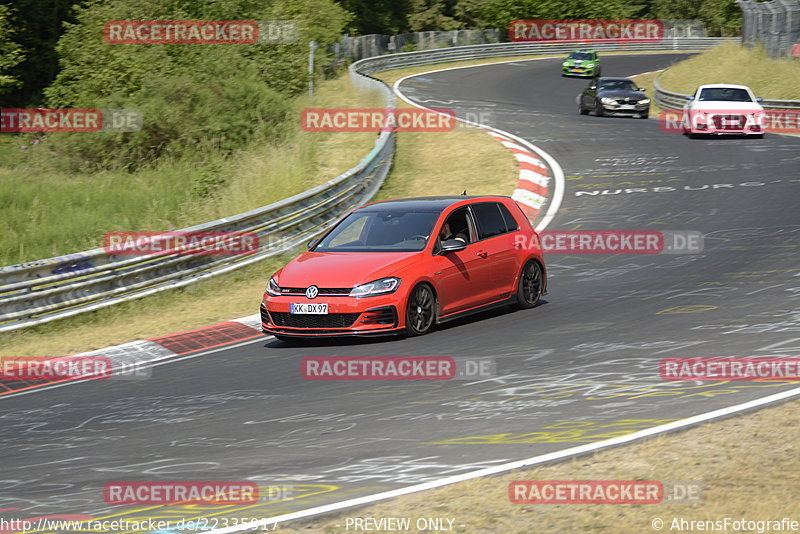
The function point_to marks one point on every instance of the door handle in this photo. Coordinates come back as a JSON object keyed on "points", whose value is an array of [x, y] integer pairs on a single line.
{"points": [[482, 253]]}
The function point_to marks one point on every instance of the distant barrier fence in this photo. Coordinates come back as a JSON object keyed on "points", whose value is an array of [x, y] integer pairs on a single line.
{"points": [[463, 53], [354, 48], [364, 46], [40, 291], [775, 24]]}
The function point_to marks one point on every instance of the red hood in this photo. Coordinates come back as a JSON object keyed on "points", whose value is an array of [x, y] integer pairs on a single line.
{"points": [[344, 269]]}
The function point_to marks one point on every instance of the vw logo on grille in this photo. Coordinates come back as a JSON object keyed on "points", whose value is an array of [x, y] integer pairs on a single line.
{"points": [[312, 292]]}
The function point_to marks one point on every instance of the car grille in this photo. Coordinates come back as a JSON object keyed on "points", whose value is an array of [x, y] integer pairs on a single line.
{"points": [[332, 320], [622, 101], [322, 291], [730, 122]]}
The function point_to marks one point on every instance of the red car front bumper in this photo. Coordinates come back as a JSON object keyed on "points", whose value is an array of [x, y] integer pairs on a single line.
{"points": [[347, 316]]}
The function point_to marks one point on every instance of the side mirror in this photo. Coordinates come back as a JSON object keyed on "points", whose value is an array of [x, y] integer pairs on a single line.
{"points": [[643, 89], [312, 243], [759, 99], [592, 87], [453, 245]]}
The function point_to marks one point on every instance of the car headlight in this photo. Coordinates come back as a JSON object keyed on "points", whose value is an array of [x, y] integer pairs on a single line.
{"points": [[565, 64], [608, 101], [590, 64], [644, 101], [273, 288], [378, 287]]}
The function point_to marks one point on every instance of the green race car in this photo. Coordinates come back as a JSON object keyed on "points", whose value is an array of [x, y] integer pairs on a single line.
{"points": [[581, 63]]}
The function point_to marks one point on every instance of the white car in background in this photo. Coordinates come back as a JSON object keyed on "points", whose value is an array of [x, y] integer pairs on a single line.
{"points": [[724, 109]]}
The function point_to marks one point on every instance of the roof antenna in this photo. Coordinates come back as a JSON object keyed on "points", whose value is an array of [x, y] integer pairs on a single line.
{"points": [[464, 193]]}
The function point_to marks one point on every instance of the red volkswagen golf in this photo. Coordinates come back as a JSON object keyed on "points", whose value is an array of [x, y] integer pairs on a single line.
{"points": [[402, 266]]}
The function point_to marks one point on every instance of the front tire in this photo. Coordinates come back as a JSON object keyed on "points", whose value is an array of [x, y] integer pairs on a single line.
{"points": [[420, 310], [598, 109], [530, 285], [582, 111]]}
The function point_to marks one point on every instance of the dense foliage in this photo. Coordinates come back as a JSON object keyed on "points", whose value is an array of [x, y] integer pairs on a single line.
{"points": [[194, 98], [721, 17]]}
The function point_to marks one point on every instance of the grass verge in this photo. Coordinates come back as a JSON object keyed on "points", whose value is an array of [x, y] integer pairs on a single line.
{"points": [[730, 62], [747, 466]]}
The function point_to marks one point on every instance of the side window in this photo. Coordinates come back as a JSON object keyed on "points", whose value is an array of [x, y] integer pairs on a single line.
{"points": [[511, 223], [489, 219], [456, 226]]}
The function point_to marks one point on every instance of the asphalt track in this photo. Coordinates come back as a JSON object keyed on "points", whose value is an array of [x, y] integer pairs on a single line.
{"points": [[580, 368]]}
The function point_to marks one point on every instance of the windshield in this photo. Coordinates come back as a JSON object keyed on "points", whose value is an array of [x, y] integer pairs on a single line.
{"points": [[585, 56], [618, 85], [380, 231], [724, 94]]}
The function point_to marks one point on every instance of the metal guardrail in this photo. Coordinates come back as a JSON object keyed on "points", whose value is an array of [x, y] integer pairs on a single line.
{"points": [[40, 291], [676, 101], [431, 57]]}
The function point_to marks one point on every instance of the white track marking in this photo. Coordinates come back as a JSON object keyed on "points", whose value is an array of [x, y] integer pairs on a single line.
{"points": [[163, 359], [558, 455]]}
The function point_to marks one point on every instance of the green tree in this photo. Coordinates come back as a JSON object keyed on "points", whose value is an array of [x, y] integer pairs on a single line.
{"points": [[722, 18], [499, 13], [675, 9], [10, 54], [194, 97], [386, 17], [428, 15], [37, 26]]}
